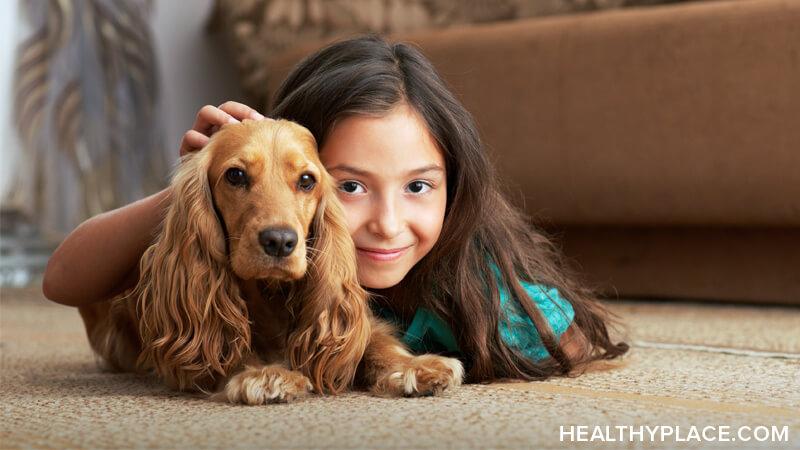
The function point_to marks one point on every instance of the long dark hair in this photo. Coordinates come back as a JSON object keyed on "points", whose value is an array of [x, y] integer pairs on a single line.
{"points": [[370, 76]]}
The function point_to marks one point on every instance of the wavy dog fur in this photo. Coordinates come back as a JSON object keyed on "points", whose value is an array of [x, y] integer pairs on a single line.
{"points": [[193, 319], [333, 332]]}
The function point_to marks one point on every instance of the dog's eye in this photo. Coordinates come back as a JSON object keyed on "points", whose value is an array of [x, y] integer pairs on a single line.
{"points": [[306, 182], [236, 177]]}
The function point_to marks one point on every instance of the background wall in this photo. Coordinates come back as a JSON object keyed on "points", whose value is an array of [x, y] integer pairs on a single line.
{"points": [[9, 31], [193, 67]]}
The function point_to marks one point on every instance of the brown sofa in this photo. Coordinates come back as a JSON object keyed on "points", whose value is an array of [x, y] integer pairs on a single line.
{"points": [[659, 144]]}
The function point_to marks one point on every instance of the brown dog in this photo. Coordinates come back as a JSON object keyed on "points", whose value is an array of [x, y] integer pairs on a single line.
{"points": [[250, 289]]}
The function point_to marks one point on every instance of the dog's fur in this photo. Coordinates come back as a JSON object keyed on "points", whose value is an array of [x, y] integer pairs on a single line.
{"points": [[212, 311]]}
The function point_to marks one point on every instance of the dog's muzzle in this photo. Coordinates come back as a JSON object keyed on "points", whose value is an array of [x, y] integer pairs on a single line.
{"points": [[278, 242]]}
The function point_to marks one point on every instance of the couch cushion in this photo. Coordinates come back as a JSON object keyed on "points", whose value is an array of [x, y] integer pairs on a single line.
{"points": [[670, 115], [259, 30]]}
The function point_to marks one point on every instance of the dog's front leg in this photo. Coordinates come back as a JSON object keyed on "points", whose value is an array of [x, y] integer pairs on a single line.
{"points": [[259, 384], [388, 369]]}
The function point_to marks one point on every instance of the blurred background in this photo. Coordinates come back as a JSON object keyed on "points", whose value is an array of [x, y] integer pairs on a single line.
{"points": [[658, 142], [98, 93], [136, 73]]}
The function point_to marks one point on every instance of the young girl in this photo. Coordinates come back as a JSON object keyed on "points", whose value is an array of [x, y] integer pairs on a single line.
{"points": [[448, 259]]}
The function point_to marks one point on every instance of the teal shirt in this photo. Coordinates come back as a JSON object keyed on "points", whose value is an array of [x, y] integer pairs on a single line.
{"points": [[427, 332]]}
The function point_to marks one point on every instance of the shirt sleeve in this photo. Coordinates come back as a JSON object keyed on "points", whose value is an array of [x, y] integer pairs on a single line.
{"points": [[518, 330], [428, 333]]}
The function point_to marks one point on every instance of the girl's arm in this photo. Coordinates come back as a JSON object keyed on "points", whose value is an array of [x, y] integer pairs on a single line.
{"points": [[100, 258]]}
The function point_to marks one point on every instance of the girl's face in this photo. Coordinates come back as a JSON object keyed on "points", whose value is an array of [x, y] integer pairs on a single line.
{"points": [[392, 184]]}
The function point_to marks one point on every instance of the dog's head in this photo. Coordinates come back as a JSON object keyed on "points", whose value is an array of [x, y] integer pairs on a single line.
{"points": [[267, 184], [255, 203]]}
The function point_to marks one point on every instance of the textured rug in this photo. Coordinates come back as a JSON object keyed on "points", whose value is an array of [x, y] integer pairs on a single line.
{"points": [[709, 368]]}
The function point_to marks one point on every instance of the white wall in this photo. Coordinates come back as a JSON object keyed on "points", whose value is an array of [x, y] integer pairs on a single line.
{"points": [[8, 143], [194, 69]]}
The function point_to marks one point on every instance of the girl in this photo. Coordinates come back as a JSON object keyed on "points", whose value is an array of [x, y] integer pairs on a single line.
{"points": [[448, 259]]}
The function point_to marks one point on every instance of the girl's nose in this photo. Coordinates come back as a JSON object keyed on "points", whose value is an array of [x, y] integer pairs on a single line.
{"points": [[386, 221]]}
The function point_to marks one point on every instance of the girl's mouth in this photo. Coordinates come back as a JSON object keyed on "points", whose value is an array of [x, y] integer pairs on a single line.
{"points": [[382, 254]]}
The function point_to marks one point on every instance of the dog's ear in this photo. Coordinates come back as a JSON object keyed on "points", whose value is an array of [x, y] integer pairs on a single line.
{"points": [[333, 326], [193, 320]]}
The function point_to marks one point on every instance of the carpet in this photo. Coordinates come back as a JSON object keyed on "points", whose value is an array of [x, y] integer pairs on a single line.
{"points": [[705, 367]]}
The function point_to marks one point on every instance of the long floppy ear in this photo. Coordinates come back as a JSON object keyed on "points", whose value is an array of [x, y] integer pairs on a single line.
{"points": [[193, 320], [333, 328]]}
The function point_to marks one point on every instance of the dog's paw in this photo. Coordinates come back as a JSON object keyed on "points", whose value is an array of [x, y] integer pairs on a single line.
{"points": [[269, 384], [420, 376]]}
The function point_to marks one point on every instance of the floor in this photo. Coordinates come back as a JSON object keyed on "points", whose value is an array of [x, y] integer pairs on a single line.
{"points": [[691, 366]]}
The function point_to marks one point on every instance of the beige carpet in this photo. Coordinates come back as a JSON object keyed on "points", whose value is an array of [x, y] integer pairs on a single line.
{"points": [[691, 365]]}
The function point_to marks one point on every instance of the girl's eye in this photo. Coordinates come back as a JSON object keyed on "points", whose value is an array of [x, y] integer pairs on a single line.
{"points": [[419, 187], [351, 187], [306, 182], [236, 177]]}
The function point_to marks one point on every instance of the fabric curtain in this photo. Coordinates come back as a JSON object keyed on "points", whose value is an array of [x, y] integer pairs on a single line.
{"points": [[86, 111]]}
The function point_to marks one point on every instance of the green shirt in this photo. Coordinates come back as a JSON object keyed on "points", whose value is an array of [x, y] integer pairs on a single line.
{"points": [[427, 332]]}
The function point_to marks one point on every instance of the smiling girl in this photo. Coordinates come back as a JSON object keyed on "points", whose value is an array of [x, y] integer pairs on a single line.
{"points": [[448, 259]]}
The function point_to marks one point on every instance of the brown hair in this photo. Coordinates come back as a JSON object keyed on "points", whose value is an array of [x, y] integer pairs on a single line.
{"points": [[369, 76]]}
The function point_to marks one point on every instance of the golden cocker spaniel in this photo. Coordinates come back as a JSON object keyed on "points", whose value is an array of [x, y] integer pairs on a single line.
{"points": [[250, 290]]}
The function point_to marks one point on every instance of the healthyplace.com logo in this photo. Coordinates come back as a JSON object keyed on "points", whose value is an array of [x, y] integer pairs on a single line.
{"points": [[674, 433]]}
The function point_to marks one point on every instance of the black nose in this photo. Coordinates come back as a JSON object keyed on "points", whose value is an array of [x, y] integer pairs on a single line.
{"points": [[278, 242]]}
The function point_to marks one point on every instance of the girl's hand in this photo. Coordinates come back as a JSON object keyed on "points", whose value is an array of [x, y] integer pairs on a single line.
{"points": [[210, 119]]}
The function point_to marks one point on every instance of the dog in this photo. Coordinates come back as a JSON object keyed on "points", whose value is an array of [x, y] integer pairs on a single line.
{"points": [[250, 291]]}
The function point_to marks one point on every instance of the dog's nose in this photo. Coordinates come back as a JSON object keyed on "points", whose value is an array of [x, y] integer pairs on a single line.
{"points": [[278, 242]]}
